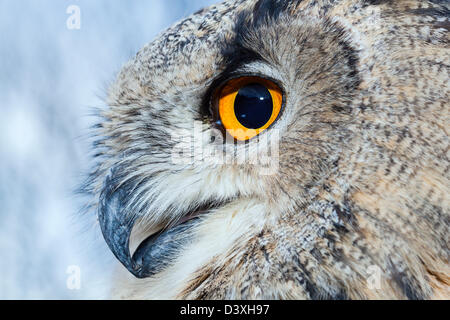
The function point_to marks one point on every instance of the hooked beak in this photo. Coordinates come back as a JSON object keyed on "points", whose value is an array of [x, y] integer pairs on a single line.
{"points": [[116, 223]]}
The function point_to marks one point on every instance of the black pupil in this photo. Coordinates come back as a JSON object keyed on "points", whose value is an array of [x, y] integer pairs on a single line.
{"points": [[253, 106]]}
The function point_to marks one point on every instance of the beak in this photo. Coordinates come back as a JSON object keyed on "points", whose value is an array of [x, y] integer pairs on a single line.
{"points": [[116, 223]]}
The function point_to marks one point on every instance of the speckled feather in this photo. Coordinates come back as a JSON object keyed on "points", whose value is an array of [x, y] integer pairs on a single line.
{"points": [[363, 176]]}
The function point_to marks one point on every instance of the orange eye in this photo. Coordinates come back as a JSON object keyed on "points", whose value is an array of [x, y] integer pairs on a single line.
{"points": [[248, 106]]}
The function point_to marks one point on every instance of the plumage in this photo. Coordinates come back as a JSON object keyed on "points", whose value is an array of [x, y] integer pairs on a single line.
{"points": [[360, 176]]}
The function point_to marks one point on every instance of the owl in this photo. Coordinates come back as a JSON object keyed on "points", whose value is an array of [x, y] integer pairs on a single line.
{"points": [[270, 149]]}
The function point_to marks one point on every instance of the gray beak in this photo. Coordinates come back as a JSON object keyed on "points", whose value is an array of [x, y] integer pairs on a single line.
{"points": [[116, 223]]}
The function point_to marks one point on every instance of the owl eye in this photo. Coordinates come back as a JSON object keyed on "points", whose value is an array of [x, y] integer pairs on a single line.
{"points": [[249, 105]]}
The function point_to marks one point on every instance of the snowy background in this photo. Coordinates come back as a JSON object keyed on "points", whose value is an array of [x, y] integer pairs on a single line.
{"points": [[50, 78]]}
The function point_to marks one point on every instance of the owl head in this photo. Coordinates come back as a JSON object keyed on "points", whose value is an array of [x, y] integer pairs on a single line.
{"points": [[281, 149]]}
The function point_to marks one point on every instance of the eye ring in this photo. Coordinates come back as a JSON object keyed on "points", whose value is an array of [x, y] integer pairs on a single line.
{"points": [[247, 106]]}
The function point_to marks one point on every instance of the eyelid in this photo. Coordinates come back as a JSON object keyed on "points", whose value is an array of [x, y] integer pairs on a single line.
{"points": [[223, 109]]}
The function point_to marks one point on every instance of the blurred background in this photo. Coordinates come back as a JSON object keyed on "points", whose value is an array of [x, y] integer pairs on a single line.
{"points": [[53, 71]]}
